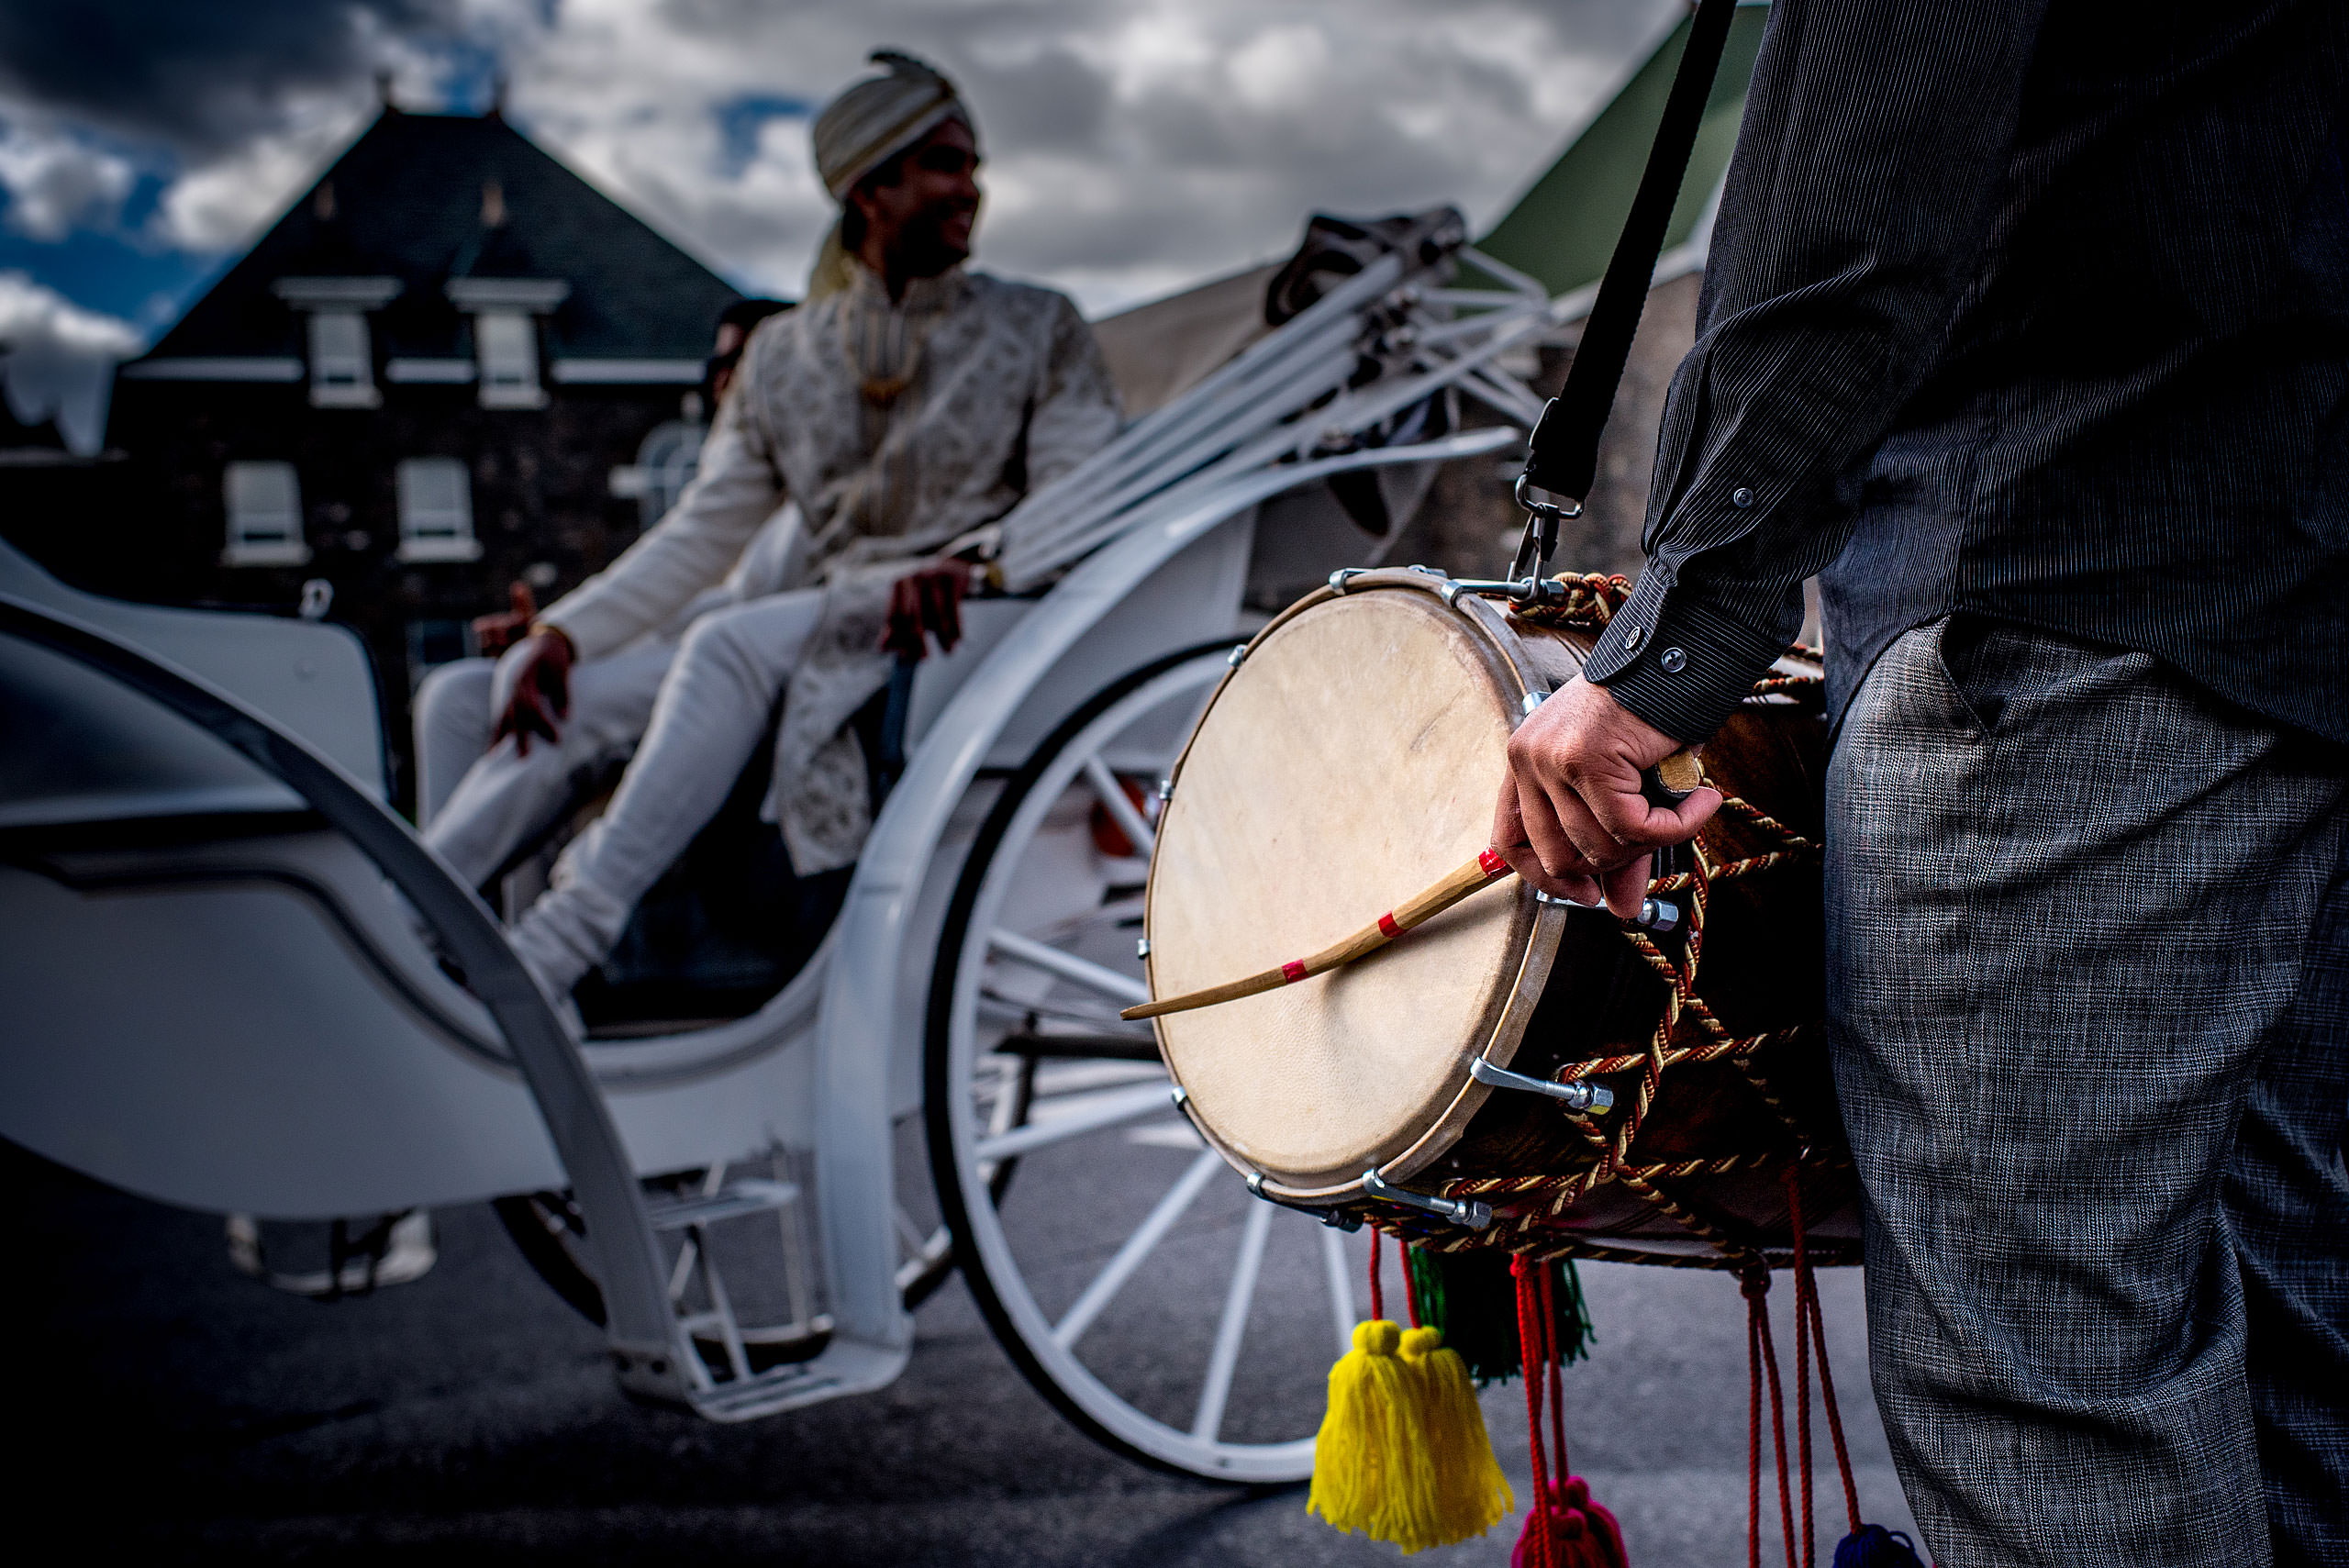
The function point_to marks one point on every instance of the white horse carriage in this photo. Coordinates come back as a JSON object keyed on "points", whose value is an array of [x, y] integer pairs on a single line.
{"points": [[214, 990]]}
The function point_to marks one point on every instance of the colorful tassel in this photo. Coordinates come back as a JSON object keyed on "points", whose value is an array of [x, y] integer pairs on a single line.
{"points": [[1873, 1546], [1468, 1494], [1361, 1457], [1582, 1534], [1472, 1296], [1402, 1455], [1563, 1528]]}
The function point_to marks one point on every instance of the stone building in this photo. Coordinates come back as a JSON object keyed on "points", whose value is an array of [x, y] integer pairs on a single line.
{"points": [[436, 375]]}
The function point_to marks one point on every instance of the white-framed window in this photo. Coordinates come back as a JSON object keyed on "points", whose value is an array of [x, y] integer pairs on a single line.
{"points": [[506, 342], [435, 510], [343, 371], [263, 501]]}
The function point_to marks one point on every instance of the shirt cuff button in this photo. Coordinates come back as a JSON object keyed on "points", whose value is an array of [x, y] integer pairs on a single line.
{"points": [[1632, 637], [1741, 497], [1673, 661]]}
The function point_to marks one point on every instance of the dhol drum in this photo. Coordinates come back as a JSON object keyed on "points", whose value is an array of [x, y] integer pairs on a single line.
{"points": [[1441, 1086]]}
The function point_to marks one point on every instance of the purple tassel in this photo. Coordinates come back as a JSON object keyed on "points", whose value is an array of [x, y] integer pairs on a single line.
{"points": [[1873, 1546]]}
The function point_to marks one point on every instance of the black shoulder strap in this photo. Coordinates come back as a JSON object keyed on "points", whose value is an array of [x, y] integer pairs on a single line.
{"points": [[1563, 456]]}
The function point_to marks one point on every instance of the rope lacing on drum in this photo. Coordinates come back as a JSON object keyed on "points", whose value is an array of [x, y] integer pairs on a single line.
{"points": [[1688, 1030]]}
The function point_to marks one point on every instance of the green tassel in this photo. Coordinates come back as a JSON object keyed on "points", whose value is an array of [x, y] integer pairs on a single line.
{"points": [[1471, 1299], [1575, 1334]]}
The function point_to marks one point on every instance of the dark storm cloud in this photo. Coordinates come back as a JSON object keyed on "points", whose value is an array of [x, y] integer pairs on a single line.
{"points": [[1052, 99], [199, 75]]}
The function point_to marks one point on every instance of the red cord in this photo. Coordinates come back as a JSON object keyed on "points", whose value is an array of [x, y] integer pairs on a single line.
{"points": [[1807, 1310], [1556, 1365], [1529, 1358], [1377, 1295], [1752, 1433], [1802, 1409], [1777, 1415]]}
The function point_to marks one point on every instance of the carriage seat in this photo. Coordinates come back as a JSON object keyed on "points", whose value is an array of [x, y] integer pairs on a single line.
{"points": [[731, 921]]}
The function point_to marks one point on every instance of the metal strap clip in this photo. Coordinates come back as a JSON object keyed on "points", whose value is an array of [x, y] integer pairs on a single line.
{"points": [[1542, 520], [1468, 1212], [1576, 1094]]}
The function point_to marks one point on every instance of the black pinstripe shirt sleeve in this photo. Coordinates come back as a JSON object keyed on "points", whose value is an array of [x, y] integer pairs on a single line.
{"points": [[1876, 139]]}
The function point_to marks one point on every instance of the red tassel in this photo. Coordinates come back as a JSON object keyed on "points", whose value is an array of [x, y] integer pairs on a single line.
{"points": [[1563, 1528], [1582, 1534]]}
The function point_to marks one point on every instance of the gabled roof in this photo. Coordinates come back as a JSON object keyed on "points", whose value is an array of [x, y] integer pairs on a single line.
{"points": [[20, 435], [408, 201], [1564, 227]]}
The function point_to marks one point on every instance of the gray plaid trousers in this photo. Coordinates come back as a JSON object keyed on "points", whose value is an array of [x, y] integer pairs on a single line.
{"points": [[2089, 994]]}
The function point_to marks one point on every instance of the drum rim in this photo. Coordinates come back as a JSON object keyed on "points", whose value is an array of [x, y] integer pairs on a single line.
{"points": [[1543, 933]]}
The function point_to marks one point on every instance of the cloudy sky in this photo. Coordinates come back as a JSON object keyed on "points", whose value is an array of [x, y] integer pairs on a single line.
{"points": [[1134, 145]]}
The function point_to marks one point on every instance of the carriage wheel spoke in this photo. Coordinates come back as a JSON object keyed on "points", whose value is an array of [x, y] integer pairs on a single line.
{"points": [[1138, 1246], [1225, 1360], [1068, 966], [1341, 1286], [1119, 805], [1073, 1116]]}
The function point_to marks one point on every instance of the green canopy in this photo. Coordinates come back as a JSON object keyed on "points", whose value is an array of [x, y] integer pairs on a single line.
{"points": [[1563, 229]]}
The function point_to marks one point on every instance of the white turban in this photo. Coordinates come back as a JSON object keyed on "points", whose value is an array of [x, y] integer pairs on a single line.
{"points": [[869, 123]]}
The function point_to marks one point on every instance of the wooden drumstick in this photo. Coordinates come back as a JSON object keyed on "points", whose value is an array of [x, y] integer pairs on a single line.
{"points": [[1487, 867], [1679, 772]]}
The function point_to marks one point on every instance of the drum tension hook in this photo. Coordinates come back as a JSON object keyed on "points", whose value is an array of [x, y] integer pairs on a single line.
{"points": [[1576, 1094], [1661, 915], [1335, 1218], [1463, 1211], [1521, 591]]}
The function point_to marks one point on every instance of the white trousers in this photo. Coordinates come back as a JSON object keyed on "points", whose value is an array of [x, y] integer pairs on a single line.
{"points": [[478, 803], [709, 714]]}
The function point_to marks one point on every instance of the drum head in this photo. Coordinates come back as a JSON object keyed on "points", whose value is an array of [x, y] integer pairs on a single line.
{"points": [[1351, 761]]}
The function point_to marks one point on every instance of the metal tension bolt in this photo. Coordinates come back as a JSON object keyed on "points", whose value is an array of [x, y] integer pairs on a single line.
{"points": [[1658, 915], [1576, 1094], [1467, 1212], [1335, 1218]]}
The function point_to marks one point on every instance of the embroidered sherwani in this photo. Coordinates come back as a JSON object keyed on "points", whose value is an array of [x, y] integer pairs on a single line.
{"points": [[897, 427]]}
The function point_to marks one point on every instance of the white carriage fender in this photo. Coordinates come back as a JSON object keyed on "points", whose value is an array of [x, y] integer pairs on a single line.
{"points": [[858, 1025], [652, 1353]]}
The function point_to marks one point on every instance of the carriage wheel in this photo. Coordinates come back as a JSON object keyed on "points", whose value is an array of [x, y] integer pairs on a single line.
{"points": [[1127, 1271]]}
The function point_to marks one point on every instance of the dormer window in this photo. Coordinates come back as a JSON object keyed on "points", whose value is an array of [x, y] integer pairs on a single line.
{"points": [[508, 345], [263, 502], [341, 370], [506, 334], [342, 360]]}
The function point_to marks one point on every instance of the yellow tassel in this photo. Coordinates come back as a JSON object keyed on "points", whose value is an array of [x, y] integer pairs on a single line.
{"points": [[1364, 1444], [1469, 1494], [1402, 1455]]}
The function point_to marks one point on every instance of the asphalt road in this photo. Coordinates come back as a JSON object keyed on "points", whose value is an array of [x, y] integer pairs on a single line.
{"points": [[169, 1409]]}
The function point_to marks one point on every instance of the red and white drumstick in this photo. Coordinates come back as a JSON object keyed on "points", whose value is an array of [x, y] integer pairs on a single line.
{"points": [[1676, 776], [1488, 867]]}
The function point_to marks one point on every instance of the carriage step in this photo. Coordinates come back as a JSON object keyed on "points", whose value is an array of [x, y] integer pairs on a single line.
{"points": [[748, 1195], [767, 1394]]}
